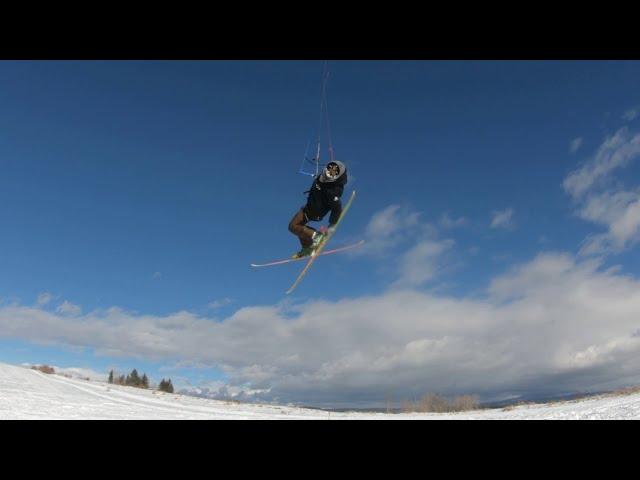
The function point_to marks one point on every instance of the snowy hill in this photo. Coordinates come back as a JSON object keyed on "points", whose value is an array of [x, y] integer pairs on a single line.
{"points": [[30, 394]]}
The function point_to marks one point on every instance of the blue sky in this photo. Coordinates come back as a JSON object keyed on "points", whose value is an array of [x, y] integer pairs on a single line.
{"points": [[147, 189]]}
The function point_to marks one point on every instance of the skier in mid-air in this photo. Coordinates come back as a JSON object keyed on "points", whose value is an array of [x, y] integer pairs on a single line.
{"points": [[324, 197]]}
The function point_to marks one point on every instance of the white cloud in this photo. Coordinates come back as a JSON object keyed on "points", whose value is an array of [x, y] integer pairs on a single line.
{"points": [[552, 325], [44, 299], [595, 244], [157, 275], [620, 213], [447, 222], [502, 219], [422, 262], [219, 303], [576, 143], [68, 308], [616, 152], [631, 114], [412, 246], [388, 228], [601, 201]]}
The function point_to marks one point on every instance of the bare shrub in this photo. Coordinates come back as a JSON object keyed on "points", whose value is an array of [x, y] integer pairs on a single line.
{"points": [[520, 403], [626, 391], [408, 407], [44, 369], [465, 402], [432, 402]]}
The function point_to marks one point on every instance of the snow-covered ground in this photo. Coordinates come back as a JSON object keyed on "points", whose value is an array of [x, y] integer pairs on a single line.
{"points": [[29, 394]]}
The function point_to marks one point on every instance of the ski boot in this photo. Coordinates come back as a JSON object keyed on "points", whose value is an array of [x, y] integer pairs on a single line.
{"points": [[317, 238], [304, 252]]}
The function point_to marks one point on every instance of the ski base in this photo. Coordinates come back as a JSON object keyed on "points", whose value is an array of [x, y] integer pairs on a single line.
{"points": [[289, 260]]}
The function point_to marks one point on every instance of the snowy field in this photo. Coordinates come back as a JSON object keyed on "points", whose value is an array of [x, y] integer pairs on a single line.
{"points": [[29, 394]]}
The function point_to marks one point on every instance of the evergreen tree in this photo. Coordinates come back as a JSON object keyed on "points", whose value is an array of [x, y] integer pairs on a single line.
{"points": [[111, 376], [165, 386], [121, 380], [145, 381], [135, 379]]}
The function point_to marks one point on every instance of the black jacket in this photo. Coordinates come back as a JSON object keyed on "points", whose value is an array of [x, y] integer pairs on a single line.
{"points": [[324, 196]]}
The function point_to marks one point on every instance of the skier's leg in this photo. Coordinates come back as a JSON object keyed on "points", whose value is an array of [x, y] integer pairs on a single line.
{"points": [[298, 227]]}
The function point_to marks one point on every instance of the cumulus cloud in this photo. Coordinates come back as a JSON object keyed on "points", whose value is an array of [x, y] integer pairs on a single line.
{"points": [[422, 262], [68, 308], [631, 114], [603, 202], [620, 213], [502, 219], [44, 299], [389, 228], [555, 324], [576, 143], [616, 152], [219, 303], [414, 247], [447, 222]]}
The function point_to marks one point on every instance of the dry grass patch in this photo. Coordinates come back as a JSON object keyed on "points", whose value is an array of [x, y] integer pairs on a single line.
{"points": [[435, 403], [625, 391], [44, 369]]}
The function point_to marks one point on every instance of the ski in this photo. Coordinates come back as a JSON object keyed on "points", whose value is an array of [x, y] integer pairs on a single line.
{"points": [[328, 252], [318, 251]]}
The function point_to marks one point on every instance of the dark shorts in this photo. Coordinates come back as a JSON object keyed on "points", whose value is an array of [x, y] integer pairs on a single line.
{"points": [[310, 216]]}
